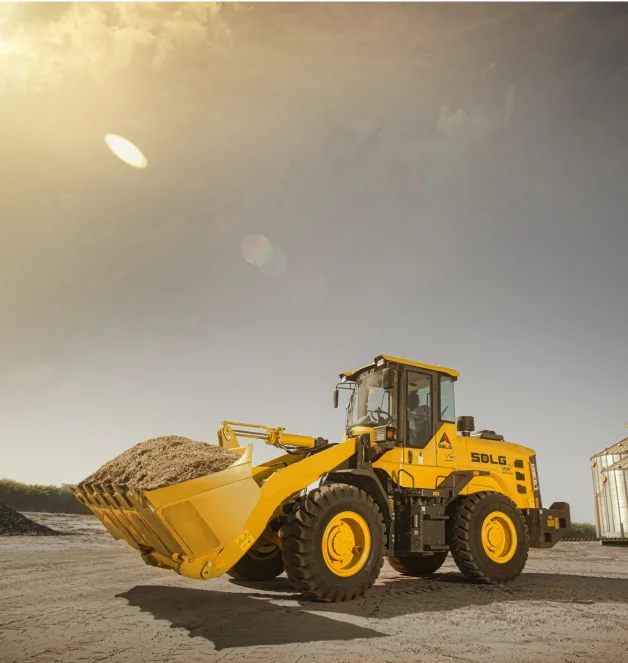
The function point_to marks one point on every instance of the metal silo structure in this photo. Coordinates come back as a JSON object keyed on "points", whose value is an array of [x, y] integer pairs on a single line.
{"points": [[610, 488]]}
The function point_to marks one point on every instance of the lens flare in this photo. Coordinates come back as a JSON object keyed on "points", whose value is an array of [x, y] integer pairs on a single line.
{"points": [[276, 263], [256, 249], [126, 151]]}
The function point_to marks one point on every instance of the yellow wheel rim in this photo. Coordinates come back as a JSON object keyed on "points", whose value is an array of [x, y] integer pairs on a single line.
{"points": [[499, 537], [346, 544]]}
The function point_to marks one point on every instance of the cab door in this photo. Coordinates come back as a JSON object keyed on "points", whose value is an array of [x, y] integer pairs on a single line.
{"points": [[419, 448], [426, 451]]}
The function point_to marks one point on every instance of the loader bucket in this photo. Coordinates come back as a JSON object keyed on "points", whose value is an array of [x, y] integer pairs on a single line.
{"points": [[183, 526]]}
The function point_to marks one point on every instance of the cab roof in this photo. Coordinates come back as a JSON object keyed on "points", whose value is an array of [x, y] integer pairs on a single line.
{"points": [[351, 375]]}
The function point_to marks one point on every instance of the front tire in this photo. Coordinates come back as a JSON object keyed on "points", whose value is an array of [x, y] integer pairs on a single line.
{"points": [[488, 538], [418, 566], [258, 564], [333, 543]]}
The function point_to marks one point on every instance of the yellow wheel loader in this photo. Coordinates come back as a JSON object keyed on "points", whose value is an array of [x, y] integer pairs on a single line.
{"points": [[409, 482]]}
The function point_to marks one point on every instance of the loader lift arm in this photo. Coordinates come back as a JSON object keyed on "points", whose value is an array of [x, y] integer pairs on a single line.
{"points": [[275, 491], [276, 437]]}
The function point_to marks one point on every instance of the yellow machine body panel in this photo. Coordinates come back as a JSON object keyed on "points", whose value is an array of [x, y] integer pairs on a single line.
{"points": [[449, 452], [501, 466]]}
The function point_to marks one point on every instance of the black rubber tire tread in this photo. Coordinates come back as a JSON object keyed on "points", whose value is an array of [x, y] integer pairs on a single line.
{"points": [[418, 566], [466, 516], [302, 538], [255, 569]]}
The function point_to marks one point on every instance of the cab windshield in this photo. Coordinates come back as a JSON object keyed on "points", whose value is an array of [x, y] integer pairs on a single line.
{"points": [[371, 404]]}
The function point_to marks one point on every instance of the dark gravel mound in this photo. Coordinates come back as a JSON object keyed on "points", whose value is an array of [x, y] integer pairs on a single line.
{"points": [[13, 523], [162, 462]]}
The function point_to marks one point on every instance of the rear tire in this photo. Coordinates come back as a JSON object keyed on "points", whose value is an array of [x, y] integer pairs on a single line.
{"points": [[418, 566], [333, 543], [258, 564], [488, 538]]}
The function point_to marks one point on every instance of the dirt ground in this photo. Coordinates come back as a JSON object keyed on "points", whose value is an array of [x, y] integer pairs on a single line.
{"points": [[87, 597]]}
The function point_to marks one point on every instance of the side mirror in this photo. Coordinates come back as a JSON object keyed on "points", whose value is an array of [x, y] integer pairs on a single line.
{"points": [[335, 398], [388, 378]]}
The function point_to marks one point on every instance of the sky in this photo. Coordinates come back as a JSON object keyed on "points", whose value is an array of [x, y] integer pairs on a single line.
{"points": [[324, 183]]}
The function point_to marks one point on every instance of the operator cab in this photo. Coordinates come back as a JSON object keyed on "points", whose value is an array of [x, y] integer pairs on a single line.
{"points": [[409, 399]]}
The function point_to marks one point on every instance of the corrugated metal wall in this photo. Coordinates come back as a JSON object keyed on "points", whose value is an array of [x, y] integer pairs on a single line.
{"points": [[610, 487]]}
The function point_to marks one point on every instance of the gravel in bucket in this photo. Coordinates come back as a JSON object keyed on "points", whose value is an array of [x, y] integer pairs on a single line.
{"points": [[163, 461]]}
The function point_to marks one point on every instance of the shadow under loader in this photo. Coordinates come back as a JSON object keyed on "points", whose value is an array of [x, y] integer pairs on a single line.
{"points": [[252, 618]]}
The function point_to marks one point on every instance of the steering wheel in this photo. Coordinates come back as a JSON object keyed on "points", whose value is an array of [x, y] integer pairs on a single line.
{"points": [[381, 414]]}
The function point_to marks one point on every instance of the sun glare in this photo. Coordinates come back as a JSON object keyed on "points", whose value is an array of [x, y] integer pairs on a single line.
{"points": [[126, 151]]}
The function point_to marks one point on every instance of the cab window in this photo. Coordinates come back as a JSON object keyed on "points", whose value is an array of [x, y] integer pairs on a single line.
{"points": [[447, 403], [371, 404]]}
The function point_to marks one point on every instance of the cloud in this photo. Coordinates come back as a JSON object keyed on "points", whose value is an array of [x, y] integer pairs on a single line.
{"points": [[464, 126], [97, 39], [474, 126]]}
